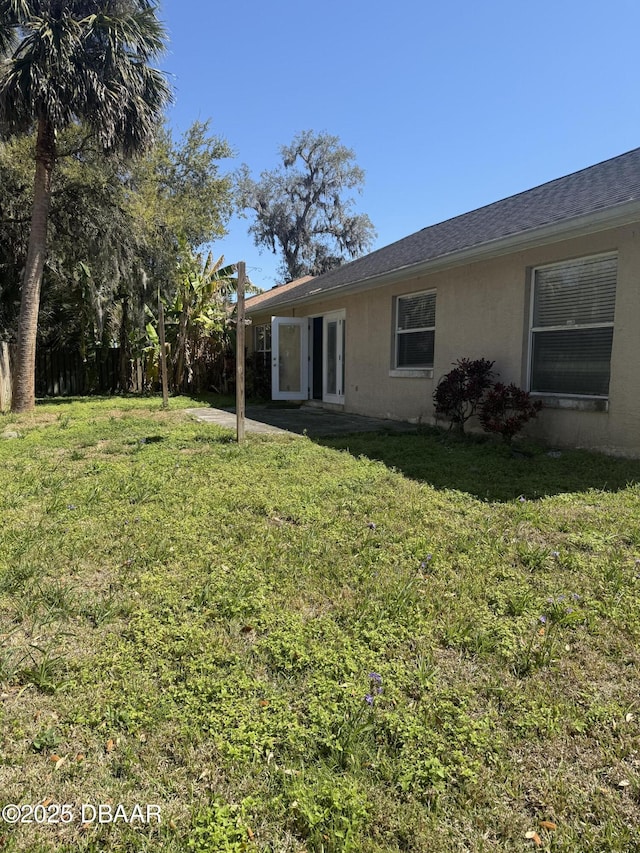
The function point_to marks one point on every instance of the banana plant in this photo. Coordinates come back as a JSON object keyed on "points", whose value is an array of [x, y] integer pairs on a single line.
{"points": [[199, 317]]}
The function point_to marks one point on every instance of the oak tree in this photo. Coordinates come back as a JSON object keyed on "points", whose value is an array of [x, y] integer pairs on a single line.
{"points": [[304, 209]]}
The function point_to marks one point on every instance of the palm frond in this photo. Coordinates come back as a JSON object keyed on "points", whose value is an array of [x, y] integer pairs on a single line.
{"points": [[83, 60]]}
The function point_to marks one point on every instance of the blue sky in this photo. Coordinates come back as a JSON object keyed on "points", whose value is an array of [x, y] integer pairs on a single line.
{"points": [[447, 106]]}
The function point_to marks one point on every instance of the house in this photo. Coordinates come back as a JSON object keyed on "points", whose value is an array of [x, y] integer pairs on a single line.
{"points": [[546, 283]]}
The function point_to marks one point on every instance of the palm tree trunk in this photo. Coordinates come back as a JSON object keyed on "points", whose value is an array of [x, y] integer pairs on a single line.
{"points": [[24, 385]]}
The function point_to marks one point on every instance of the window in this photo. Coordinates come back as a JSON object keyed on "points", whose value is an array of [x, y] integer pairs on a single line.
{"points": [[262, 341], [572, 327], [415, 330]]}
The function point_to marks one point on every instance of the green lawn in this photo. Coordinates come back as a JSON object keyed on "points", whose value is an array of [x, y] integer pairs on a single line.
{"points": [[196, 626]]}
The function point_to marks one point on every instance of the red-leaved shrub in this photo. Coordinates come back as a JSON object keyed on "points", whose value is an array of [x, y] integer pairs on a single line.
{"points": [[505, 409], [460, 391]]}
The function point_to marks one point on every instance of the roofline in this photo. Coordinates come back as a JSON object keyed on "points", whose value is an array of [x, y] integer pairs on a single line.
{"points": [[602, 220]]}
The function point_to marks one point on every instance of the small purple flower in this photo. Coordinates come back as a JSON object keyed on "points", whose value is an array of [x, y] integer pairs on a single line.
{"points": [[426, 561], [575, 596], [375, 686], [543, 619], [371, 525], [522, 499]]}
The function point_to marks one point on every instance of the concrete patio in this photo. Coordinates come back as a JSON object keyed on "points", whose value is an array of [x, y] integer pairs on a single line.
{"points": [[303, 420]]}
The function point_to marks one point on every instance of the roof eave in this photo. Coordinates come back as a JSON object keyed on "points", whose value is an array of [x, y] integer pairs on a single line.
{"points": [[602, 220]]}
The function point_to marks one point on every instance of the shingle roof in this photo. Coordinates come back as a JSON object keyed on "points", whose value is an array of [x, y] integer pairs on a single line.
{"points": [[597, 188], [259, 298]]}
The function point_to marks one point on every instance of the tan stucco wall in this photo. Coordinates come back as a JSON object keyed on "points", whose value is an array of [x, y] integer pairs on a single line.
{"points": [[482, 310]]}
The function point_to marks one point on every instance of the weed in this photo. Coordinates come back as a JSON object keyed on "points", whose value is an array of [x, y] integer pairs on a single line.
{"points": [[57, 597], [243, 608], [102, 609], [327, 812], [532, 557], [353, 742], [559, 612], [44, 671], [425, 671], [10, 660], [16, 577], [46, 740], [220, 826], [519, 601]]}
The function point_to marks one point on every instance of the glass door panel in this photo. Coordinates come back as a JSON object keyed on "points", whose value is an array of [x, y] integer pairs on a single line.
{"points": [[332, 357], [289, 358], [334, 348]]}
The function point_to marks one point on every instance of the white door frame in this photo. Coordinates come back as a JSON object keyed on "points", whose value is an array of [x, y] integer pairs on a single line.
{"points": [[333, 386], [279, 356]]}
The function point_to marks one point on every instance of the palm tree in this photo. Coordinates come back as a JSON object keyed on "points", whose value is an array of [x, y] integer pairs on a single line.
{"points": [[7, 37], [68, 62]]}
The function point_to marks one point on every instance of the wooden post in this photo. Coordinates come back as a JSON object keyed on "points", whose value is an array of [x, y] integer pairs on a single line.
{"points": [[163, 354], [240, 329], [5, 377]]}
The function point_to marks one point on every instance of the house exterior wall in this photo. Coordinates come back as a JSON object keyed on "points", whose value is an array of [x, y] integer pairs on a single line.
{"points": [[482, 311]]}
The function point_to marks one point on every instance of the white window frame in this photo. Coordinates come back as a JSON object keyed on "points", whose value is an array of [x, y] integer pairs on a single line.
{"points": [[397, 332], [577, 326], [263, 327]]}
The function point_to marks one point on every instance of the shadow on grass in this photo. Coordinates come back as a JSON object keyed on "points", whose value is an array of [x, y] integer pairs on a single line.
{"points": [[209, 438], [117, 399], [488, 470], [66, 401], [208, 399], [476, 465]]}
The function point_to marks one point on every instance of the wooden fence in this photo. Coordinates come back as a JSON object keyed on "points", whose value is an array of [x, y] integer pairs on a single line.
{"points": [[62, 373], [67, 374]]}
